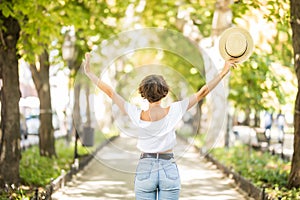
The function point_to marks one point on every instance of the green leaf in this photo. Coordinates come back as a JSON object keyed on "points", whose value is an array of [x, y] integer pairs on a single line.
{"points": [[6, 8]]}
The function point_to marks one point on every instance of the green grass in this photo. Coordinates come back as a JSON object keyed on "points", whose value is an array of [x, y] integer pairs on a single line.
{"points": [[37, 171], [261, 168]]}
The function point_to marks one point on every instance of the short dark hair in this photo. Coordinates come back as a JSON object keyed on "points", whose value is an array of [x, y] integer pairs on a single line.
{"points": [[153, 88]]}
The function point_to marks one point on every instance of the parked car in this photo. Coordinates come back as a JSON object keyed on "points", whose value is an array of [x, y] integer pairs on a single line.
{"points": [[33, 123], [55, 121], [23, 127]]}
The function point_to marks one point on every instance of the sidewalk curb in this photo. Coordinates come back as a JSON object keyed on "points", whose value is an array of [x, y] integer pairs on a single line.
{"points": [[60, 181], [244, 184], [241, 182]]}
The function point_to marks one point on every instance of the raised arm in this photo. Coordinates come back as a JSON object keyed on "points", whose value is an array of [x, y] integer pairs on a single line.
{"points": [[116, 98], [210, 85]]}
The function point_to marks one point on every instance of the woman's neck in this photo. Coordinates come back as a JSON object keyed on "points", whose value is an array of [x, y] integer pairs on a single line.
{"points": [[155, 104]]}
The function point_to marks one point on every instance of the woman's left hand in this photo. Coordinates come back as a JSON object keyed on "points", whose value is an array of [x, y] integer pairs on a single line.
{"points": [[230, 63]]}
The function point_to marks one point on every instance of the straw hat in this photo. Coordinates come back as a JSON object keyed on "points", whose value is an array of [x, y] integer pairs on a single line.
{"points": [[236, 43]]}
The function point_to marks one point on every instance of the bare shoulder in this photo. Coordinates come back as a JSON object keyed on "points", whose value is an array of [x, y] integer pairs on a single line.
{"points": [[154, 114]]}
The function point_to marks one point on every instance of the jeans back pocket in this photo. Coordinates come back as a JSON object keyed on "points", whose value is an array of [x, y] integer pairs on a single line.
{"points": [[144, 169], [171, 171]]}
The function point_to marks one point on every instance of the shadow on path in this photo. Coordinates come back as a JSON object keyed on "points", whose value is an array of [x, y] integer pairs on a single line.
{"points": [[110, 175]]}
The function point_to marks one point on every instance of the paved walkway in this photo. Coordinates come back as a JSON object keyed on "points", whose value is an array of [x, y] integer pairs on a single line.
{"points": [[110, 176]]}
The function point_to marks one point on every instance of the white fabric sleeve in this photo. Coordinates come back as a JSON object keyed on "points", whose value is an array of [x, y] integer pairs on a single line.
{"points": [[178, 109], [123, 122], [133, 112]]}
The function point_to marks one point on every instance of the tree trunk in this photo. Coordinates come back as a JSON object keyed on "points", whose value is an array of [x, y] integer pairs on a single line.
{"points": [[294, 177], [88, 109], [200, 104], [76, 109], [10, 152], [218, 113], [247, 119], [40, 77], [257, 119], [222, 18]]}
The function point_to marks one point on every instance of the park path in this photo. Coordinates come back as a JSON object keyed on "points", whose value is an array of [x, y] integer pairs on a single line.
{"points": [[110, 175]]}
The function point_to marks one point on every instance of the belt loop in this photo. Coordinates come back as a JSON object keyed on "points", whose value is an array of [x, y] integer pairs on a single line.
{"points": [[157, 155]]}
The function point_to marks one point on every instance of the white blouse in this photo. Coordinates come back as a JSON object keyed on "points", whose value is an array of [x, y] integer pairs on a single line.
{"points": [[157, 136]]}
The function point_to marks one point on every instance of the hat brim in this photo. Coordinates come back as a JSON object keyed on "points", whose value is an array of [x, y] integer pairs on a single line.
{"points": [[224, 37]]}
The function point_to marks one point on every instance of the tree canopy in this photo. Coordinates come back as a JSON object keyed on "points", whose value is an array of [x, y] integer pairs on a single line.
{"points": [[258, 83]]}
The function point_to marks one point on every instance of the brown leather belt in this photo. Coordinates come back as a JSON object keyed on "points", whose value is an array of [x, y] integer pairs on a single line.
{"points": [[164, 156]]}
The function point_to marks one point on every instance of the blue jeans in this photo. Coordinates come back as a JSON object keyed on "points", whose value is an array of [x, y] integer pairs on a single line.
{"points": [[157, 179]]}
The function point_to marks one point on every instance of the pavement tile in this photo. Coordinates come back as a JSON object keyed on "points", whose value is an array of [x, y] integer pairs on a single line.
{"points": [[110, 175]]}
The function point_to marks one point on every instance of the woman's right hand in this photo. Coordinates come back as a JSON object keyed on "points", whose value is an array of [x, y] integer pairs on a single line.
{"points": [[229, 64], [87, 63]]}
